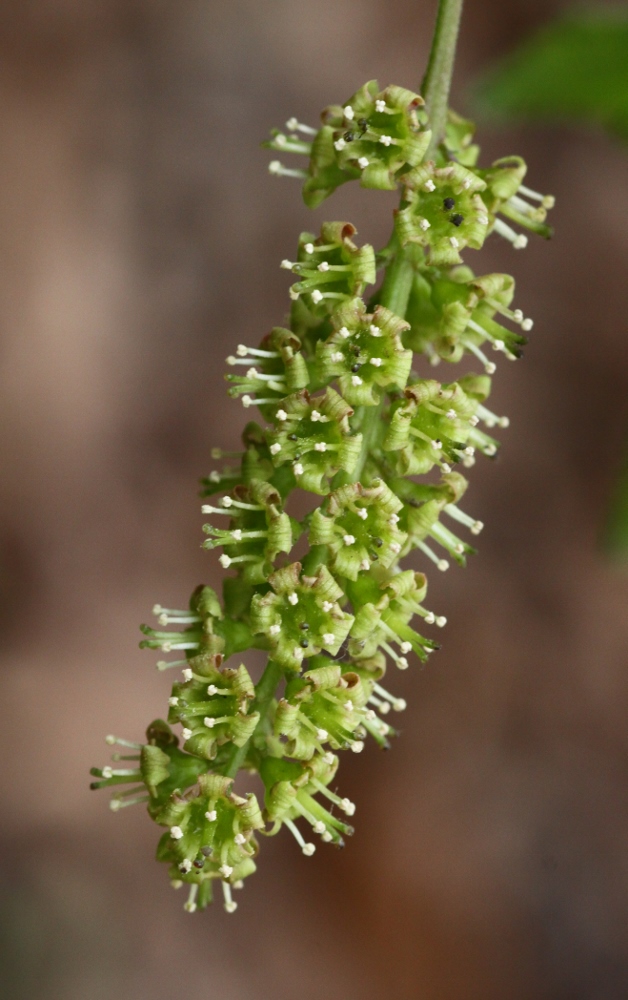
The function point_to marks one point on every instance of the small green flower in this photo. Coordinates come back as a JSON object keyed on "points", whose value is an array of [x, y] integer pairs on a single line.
{"points": [[379, 624], [453, 312], [313, 434], [301, 615], [201, 623], [214, 713], [258, 530], [443, 211], [210, 836], [331, 269], [359, 526], [430, 427], [276, 367], [374, 137], [364, 353], [290, 790]]}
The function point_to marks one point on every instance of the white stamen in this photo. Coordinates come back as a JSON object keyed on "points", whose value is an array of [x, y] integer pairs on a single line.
{"points": [[320, 446], [518, 240], [186, 734], [349, 113], [209, 722], [211, 815], [385, 140], [356, 380], [323, 266], [187, 674], [327, 606], [298, 469], [287, 265], [239, 839], [344, 332], [274, 630], [380, 106], [176, 832], [406, 647], [226, 870], [309, 248], [340, 144], [527, 324], [322, 734], [173, 701], [430, 185], [317, 296], [375, 331], [441, 621], [363, 162], [275, 449], [376, 361], [294, 125], [282, 415], [293, 599], [230, 904], [225, 561], [424, 224], [319, 827], [348, 539], [329, 639], [357, 746], [362, 513], [347, 806]]}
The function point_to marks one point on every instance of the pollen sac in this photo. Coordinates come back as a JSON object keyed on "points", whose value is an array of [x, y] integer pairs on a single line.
{"points": [[296, 599], [258, 531], [364, 353], [277, 367], [384, 622], [216, 713], [454, 312], [211, 835], [426, 221], [314, 435], [430, 426], [359, 526], [331, 268]]}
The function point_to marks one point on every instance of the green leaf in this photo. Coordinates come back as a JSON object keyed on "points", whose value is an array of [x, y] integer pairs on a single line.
{"points": [[615, 538], [576, 69]]}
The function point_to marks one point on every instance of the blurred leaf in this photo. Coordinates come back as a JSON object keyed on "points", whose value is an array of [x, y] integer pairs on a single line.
{"points": [[574, 69], [616, 528]]}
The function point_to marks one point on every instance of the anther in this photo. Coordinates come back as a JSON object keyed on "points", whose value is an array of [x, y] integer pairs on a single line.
{"points": [[363, 162], [385, 140], [293, 598]]}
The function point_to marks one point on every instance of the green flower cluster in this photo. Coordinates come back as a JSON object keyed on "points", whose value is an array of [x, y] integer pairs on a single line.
{"points": [[348, 416]]}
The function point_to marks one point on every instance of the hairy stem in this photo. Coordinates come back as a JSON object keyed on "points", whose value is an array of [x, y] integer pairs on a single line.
{"points": [[437, 80]]}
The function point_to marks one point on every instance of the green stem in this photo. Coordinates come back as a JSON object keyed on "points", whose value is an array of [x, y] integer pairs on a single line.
{"points": [[264, 692], [437, 80]]}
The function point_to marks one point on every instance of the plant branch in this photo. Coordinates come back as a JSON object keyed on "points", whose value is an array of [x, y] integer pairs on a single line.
{"points": [[437, 80]]}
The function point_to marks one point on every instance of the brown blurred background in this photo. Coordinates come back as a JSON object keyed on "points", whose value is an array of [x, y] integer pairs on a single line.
{"points": [[140, 236]]}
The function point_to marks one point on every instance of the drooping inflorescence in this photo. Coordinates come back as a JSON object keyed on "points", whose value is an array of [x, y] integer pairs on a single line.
{"points": [[350, 416]]}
